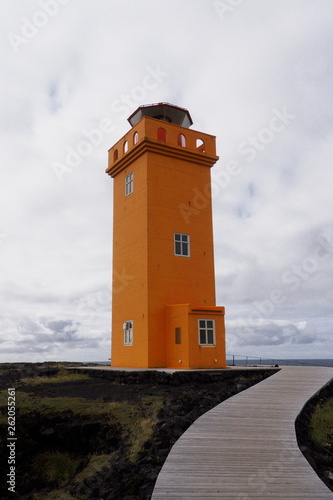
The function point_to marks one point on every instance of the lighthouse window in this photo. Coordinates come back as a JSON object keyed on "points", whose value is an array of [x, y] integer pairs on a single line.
{"points": [[181, 140], [128, 332], [129, 183], [200, 145], [182, 244], [161, 134], [206, 331], [178, 335]]}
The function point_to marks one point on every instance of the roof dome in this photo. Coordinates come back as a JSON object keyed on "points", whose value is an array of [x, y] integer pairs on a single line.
{"points": [[162, 111]]}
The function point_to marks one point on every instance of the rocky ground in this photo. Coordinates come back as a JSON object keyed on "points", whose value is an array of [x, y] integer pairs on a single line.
{"points": [[164, 405], [319, 456]]}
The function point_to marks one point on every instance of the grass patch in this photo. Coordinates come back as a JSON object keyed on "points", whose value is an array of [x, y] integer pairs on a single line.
{"points": [[3, 407], [139, 435], [136, 420], [142, 428], [30, 403], [55, 467], [95, 465], [321, 423], [61, 376], [54, 495]]}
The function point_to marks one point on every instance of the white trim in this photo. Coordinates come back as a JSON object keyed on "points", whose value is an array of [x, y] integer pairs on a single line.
{"points": [[129, 184], [205, 328], [128, 332], [181, 242]]}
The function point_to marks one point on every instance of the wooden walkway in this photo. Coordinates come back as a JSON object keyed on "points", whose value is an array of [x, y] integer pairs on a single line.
{"points": [[246, 448]]}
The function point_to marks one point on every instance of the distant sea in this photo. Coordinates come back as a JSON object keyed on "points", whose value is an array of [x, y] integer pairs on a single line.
{"points": [[280, 362], [265, 361]]}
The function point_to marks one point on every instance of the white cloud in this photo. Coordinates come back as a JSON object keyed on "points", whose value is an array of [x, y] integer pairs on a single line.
{"points": [[86, 62], [271, 333]]}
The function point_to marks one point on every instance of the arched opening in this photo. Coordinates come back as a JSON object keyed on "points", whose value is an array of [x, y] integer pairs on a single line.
{"points": [[181, 140], [135, 138], [161, 134], [125, 146], [200, 145], [115, 155]]}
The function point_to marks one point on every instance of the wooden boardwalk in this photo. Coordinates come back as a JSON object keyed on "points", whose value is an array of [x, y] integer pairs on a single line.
{"points": [[246, 448]]}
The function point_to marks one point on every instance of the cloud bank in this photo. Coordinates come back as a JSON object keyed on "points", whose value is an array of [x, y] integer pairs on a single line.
{"points": [[257, 74]]}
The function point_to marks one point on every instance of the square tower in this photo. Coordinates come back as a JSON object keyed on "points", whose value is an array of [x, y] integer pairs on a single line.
{"points": [[163, 295]]}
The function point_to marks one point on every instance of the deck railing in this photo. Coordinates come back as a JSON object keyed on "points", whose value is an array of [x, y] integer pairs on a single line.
{"points": [[242, 360]]}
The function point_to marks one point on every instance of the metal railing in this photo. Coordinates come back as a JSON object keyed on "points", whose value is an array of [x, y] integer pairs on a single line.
{"points": [[242, 360]]}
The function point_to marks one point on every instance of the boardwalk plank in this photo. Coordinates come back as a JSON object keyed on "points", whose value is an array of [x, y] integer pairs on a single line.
{"points": [[246, 447]]}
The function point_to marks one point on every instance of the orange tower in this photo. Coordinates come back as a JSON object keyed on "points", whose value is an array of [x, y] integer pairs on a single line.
{"points": [[163, 297]]}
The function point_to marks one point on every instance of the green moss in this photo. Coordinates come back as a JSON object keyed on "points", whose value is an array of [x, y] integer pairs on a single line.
{"points": [[61, 376], [136, 421], [321, 423], [3, 407], [141, 429], [28, 404], [53, 495], [95, 465], [55, 467]]}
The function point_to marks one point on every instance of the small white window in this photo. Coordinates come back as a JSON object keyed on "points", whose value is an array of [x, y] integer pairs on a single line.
{"points": [[206, 329], [128, 332], [129, 184], [182, 244]]}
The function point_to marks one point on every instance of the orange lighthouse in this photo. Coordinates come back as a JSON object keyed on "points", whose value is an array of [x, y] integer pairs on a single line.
{"points": [[163, 296]]}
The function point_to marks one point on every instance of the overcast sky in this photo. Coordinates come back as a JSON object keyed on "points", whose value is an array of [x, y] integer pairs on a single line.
{"points": [[258, 74]]}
